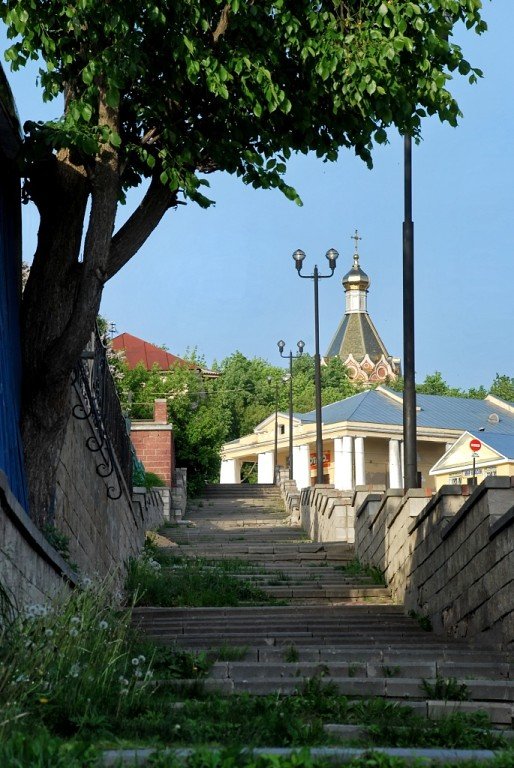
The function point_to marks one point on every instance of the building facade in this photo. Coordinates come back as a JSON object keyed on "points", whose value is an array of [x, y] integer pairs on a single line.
{"points": [[362, 439]]}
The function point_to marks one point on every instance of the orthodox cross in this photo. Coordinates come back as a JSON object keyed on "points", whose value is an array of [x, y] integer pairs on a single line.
{"points": [[356, 238]]}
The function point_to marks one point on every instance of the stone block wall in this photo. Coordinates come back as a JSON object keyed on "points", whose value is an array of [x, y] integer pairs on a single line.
{"points": [[103, 532], [31, 571], [325, 513], [451, 558]]}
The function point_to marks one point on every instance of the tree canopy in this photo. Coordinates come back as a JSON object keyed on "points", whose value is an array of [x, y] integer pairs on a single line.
{"points": [[160, 93], [207, 413]]}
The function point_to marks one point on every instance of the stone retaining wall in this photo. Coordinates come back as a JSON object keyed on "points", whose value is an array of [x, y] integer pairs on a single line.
{"points": [[451, 559], [31, 571], [103, 533]]}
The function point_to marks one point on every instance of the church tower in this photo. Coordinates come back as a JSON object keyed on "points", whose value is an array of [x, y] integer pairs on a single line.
{"points": [[356, 340]]}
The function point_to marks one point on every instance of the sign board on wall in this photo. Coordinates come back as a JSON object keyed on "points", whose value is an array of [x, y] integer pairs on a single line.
{"points": [[326, 460]]}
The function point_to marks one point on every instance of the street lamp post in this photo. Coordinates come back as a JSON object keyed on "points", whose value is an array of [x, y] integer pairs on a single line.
{"points": [[409, 386], [299, 256], [281, 344]]}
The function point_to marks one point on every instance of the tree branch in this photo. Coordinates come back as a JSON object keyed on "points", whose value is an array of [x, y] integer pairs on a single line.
{"points": [[136, 230], [222, 24]]}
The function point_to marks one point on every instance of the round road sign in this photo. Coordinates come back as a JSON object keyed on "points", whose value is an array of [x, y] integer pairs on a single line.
{"points": [[475, 444]]}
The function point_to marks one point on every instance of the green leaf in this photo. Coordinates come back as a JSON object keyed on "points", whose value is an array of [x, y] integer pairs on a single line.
{"points": [[112, 97], [115, 139], [87, 112]]}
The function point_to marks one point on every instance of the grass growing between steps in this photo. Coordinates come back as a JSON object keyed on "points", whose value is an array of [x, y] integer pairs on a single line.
{"points": [[160, 579], [356, 568], [303, 759], [297, 721]]}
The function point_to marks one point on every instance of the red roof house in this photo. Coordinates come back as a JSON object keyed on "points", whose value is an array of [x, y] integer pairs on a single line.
{"points": [[141, 351]]}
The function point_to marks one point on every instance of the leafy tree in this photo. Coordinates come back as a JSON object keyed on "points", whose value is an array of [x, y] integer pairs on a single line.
{"points": [[503, 387], [167, 92], [434, 384], [207, 413]]}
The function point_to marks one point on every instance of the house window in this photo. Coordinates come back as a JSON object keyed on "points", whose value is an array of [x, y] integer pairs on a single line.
{"points": [[282, 429], [455, 480]]}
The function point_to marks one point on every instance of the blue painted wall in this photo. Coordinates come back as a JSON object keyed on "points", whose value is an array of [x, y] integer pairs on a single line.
{"points": [[11, 452]]}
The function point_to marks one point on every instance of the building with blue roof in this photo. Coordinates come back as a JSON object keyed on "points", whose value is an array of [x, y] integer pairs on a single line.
{"points": [[475, 456], [362, 439]]}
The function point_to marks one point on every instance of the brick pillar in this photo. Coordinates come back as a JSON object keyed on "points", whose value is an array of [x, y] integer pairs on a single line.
{"points": [[160, 411], [153, 442]]}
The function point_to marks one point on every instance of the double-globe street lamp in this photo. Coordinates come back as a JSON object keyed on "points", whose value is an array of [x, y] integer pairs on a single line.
{"points": [[281, 344], [298, 257]]}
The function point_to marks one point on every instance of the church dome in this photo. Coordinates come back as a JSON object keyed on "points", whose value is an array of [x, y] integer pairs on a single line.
{"points": [[356, 278]]}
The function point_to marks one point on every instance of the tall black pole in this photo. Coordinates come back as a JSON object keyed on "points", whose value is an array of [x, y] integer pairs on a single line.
{"points": [[298, 257], [275, 448], [409, 391], [317, 383], [290, 415]]}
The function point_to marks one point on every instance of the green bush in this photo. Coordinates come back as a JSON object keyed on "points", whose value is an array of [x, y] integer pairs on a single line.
{"points": [[42, 750]]}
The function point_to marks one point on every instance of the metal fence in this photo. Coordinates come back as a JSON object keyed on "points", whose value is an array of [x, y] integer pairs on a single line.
{"points": [[98, 403]]}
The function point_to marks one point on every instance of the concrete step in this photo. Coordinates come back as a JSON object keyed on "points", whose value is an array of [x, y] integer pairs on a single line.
{"points": [[405, 692], [429, 670]]}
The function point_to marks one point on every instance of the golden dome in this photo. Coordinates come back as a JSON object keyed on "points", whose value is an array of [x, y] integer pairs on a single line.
{"points": [[356, 278]]}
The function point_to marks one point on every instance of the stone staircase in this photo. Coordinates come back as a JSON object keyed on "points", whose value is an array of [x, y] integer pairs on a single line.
{"points": [[330, 625]]}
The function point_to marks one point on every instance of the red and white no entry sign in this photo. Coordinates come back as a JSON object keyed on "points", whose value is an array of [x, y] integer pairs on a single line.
{"points": [[475, 444]]}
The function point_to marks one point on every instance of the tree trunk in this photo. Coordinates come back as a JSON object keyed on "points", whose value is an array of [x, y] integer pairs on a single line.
{"points": [[60, 191], [62, 296]]}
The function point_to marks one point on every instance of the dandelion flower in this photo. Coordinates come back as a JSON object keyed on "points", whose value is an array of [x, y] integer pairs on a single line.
{"points": [[75, 620], [74, 670], [103, 625], [74, 632], [43, 700], [142, 659], [135, 662], [49, 632]]}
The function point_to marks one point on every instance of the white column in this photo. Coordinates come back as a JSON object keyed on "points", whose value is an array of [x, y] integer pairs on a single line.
{"points": [[360, 465], [395, 469], [343, 463], [265, 467], [230, 471], [402, 463], [301, 466]]}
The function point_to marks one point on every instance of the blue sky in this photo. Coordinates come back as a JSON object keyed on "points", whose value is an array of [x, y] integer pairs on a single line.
{"points": [[224, 279]]}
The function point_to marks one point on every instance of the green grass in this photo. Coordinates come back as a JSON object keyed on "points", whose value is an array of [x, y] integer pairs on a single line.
{"points": [[301, 758], [227, 652], [445, 689], [297, 721], [423, 621], [356, 568], [159, 578]]}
